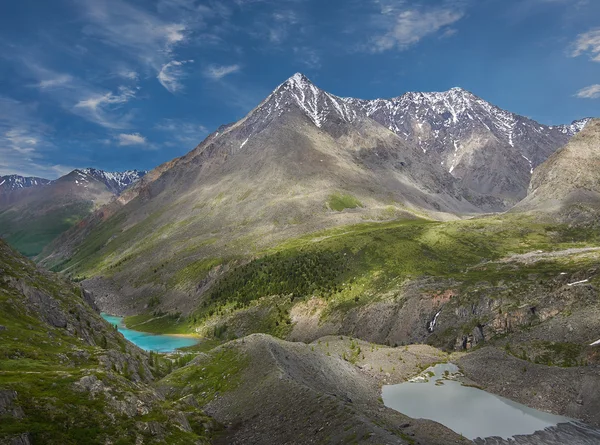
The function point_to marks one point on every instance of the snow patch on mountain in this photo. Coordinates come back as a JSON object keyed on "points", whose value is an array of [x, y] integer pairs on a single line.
{"points": [[116, 182], [15, 182], [574, 127]]}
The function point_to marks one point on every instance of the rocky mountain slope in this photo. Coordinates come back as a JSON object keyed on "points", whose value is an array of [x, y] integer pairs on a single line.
{"points": [[491, 151], [68, 377], [308, 394], [567, 185], [34, 214]]}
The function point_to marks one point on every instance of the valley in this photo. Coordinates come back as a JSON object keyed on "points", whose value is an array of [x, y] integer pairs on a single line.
{"points": [[273, 284]]}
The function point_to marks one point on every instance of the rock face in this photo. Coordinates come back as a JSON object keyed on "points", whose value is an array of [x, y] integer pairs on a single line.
{"points": [[489, 150], [567, 185], [565, 391]]}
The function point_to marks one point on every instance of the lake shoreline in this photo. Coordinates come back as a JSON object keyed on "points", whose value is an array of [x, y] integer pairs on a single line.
{"points": [[162, 343]]}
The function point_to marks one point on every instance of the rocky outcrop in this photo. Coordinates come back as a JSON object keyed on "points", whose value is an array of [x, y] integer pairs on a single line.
{"points": [[8, 407], [570, 392]]}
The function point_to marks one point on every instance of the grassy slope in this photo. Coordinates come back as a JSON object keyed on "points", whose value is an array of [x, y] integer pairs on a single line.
{"points": [[354, 265], [43, 363], [29, 235]]}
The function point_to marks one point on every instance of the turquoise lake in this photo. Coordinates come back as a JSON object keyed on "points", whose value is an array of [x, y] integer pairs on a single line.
{"points": [[150, 342]]}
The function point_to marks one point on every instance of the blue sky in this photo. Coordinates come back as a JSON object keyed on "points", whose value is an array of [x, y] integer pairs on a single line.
{"points": [[123, 84]]}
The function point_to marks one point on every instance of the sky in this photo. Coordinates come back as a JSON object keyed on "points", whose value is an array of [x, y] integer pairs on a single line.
{"points": [[130, 84]]}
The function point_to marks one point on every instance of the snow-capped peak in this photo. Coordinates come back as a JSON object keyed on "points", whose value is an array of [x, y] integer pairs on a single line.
{"points": [[317, 104], [437, 122], [15, 182], [116, 182]]}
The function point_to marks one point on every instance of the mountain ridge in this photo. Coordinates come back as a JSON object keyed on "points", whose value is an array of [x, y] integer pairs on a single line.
{"points": [[444, 124], [567, 185], [13, 182], [37, 211]]}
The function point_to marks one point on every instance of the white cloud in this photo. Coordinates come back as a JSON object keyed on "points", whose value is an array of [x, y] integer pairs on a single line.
{"points": [[59, 80], [406, 27], [591, 92], [128, 74], [588, 43], [170, 75], [83, 99], [97, 107], [217, 72], [21, 140], [131, 139]]}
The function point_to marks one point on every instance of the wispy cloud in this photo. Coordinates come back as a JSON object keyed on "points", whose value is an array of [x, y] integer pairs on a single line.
{"points": [[131, 139], [588, 43], [140, 34], [98, 107], [59, 80], [404, 26], [170, 75], [133, 29], [217, 72], [281, 22], [127, 74], [183, 131], [24, 142], [591, 92], [307, 56], [81, 98]]}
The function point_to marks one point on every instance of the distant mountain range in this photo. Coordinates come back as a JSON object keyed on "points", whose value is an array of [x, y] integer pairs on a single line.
{"points": [[301, 161], [14, 182], [116, 182], [33, 211]]}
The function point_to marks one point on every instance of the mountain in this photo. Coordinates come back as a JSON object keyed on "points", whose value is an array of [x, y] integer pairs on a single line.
{"points": [[116, 182], [303, 160], [30, 217], [489, 150], [567, 185], [13, 182]]}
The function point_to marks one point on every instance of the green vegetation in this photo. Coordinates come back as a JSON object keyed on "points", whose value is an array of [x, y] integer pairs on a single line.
{"points": [[339, 202], [44, 365], [550, 353], [219, 372], [158, 323], [296, 273], [347, 267], [29, 234], [351, 266]]}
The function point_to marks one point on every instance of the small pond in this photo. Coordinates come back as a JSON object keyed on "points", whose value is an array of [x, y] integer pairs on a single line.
{"points": [[438, 396], [150, 342]]}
